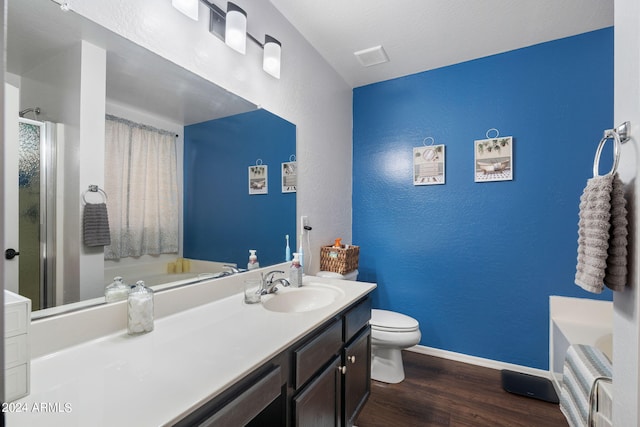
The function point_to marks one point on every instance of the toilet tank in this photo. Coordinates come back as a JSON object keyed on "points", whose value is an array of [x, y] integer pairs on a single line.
{"points": [[352, 275]]}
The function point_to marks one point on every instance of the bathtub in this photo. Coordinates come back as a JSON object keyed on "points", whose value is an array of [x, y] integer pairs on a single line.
{"points": [[581, 321], [155, 273], [578, 321]]}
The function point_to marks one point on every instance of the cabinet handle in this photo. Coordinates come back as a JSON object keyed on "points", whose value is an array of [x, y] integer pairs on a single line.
{"points": [[352, 359], [342, 369]]}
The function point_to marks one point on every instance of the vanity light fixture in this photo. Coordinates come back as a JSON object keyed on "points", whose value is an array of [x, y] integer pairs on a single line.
{"points": [[271, 60], [231, 27], [188, 7]]}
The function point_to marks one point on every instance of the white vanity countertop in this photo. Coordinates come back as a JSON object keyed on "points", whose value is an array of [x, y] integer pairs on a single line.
{"points": [[156, 378]]}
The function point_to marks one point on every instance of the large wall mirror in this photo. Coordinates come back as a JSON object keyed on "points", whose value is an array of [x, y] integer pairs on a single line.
{"points": [[69, 84]]}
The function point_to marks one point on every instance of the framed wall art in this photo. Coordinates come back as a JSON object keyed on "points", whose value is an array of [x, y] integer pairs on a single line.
{"points": [[258, 179], [428, 164], [493, 159], [289, 177]]}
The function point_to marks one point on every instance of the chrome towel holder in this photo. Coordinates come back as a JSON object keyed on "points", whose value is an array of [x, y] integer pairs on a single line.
{"points": [[619, 135], [93, 189]]}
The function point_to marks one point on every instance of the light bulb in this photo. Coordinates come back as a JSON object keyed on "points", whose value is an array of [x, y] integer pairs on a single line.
{"points": [[188, 7], [236, 28], [271, 59]]}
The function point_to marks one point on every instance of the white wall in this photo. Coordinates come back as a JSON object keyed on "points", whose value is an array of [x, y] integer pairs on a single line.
{"points": [[93, 77], [626, 321], [309, 94], [11, 167], [53, 86]]}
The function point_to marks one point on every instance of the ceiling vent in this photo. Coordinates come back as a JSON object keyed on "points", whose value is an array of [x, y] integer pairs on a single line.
{"points": [[372, 56]]}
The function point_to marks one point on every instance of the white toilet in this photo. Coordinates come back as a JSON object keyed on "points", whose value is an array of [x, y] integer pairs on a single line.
{"points": [[391, 332], [352, 275]]}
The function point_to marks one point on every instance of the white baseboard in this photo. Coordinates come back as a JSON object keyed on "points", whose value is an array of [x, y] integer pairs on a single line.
{"points": [[479, 361]]}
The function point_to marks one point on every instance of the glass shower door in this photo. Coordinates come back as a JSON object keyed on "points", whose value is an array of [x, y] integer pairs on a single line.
{"points": [[35, 201]]}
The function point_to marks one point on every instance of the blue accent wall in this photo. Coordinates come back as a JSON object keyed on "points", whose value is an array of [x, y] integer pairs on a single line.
{"points": [[221, 220], [475, 263]]}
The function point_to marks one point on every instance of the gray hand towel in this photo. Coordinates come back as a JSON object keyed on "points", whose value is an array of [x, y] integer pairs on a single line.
{"points": [[602, 235], [95, 225], [616, 273]]}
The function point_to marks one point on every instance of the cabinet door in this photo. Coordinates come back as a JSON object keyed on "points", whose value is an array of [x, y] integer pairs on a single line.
{"points": [[319, 403], [357, 377]]}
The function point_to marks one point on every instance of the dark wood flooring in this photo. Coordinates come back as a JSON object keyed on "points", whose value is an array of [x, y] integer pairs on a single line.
{"points": [[441, 392]]}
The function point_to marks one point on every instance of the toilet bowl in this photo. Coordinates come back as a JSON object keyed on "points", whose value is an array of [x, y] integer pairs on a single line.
{"points": [[391, 332]]}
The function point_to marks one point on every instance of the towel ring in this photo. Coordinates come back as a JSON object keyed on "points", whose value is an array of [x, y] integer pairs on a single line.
{"points": [[93, 189], [608, 134]]}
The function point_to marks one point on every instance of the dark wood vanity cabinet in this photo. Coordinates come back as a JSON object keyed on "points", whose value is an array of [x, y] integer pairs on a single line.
{"points": [[341, 380], [322, 380]]}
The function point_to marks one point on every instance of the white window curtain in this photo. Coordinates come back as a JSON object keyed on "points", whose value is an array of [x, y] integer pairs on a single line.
{"points": [[141, 181]]}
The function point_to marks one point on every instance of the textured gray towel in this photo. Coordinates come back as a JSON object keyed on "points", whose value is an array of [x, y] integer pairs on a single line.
{"points": [[602, 235], [616, 273], [95, 225]]}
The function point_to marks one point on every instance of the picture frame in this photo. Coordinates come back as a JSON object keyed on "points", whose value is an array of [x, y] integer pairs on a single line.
{"points": [[289, 177], [493, 159], [429, 165], [258, 179]]}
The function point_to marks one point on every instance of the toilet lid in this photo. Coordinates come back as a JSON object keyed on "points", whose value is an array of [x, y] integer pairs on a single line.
{"points": [[391, 321]]}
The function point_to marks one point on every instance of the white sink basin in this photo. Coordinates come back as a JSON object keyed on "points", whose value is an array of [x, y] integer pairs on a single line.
{"points": [[306, 298]]}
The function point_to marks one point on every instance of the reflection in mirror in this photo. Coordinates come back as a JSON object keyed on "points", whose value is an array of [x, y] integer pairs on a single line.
{"points": [[70, 83], [218, 205]]}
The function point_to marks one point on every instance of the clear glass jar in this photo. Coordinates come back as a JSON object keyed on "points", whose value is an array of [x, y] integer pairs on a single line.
{"points": [[118, 290], [140, 309]]}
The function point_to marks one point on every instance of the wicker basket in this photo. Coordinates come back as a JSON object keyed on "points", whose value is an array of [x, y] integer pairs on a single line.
{"points": [[339, 260]]}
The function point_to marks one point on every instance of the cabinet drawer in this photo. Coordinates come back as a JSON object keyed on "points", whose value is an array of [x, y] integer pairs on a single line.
{"points": [[15, 351], [16, 382], [241, 410], [316, 353], [356, 319], [16, 316]]}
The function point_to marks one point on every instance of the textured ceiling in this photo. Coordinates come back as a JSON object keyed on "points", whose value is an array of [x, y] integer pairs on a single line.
{"points": [[420, 35]]}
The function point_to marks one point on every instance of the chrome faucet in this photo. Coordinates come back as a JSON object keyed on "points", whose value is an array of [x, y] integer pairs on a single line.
{"points": [[232, 269], [269, 283]]}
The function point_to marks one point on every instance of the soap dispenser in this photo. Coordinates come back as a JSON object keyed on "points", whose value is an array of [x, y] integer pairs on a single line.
{"points": [[118, 290], [140, 309], [295, 272], [253, 260]]}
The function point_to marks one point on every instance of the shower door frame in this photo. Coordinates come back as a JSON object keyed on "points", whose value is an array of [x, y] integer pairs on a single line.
{"points": [[47, 222]]}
